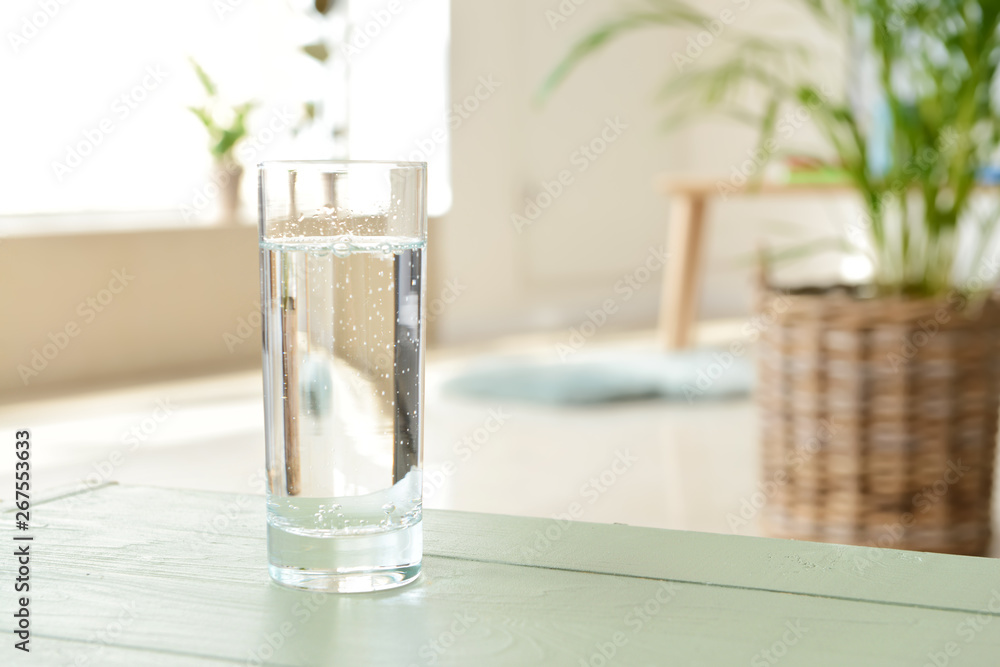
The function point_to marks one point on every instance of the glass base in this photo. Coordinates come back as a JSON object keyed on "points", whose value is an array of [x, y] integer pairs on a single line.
{"points": [[365, 581], [324, 561]]}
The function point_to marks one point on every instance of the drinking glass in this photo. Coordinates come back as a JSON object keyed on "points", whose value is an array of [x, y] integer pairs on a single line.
{"points": [[342, 294]]}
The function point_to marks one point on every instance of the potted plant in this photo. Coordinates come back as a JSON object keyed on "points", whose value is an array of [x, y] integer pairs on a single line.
{"points": [[878, 401], [325, 115], [226, 126]]}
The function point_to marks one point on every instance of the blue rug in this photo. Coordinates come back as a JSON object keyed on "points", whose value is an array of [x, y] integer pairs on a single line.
{"points": [[689, 375]]}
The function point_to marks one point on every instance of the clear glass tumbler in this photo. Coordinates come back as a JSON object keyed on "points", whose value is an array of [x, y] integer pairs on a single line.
{"points": [[342, 294]]}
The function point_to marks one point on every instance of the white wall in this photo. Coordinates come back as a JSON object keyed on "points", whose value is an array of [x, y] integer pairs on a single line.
{"points": [[603, 224]]}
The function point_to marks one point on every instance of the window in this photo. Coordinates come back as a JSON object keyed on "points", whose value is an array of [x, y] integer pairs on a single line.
{"points": [[95, 116]]}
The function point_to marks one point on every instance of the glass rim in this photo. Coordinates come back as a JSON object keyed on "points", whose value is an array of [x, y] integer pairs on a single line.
{"points": [[401, 164]]}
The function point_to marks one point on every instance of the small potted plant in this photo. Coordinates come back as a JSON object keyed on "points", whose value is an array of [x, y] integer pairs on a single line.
{"points": [[878, 401], [324, 117], [226, 126]]}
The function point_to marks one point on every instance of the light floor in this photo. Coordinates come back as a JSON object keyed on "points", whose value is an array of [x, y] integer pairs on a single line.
{"points": [[649, 463]]}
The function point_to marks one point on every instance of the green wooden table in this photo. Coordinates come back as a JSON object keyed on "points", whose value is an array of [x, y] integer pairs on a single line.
{"points": [[137, 576]]}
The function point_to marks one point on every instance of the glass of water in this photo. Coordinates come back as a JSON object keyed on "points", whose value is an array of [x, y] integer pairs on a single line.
{"points": [[342, 294]]}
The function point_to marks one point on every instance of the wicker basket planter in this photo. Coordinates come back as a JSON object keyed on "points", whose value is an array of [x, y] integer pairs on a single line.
{"points": [[879, 419]]}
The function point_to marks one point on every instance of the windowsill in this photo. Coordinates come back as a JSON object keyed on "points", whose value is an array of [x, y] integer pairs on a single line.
{"points": [[48, 224]]}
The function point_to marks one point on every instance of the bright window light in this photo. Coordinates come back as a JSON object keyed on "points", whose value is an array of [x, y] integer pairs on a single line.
{"points": [[96, 121]]}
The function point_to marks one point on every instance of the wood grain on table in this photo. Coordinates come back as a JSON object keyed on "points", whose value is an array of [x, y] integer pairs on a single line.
{"points": [[138, 576]]}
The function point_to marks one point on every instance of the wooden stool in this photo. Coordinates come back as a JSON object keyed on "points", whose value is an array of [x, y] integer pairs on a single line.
{"points": [[685, 235]]}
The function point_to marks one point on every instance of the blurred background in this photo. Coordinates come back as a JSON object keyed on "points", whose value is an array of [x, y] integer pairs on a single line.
{"points": [[128, 259]]}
